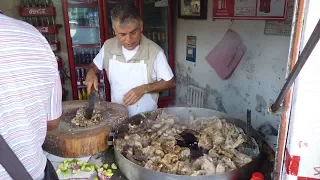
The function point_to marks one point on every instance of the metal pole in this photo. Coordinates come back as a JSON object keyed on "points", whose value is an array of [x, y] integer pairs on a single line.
{"points": [[307, 50]]}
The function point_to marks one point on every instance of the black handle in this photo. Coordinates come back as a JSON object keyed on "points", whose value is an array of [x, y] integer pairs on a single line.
{"points": [[249, 126]]}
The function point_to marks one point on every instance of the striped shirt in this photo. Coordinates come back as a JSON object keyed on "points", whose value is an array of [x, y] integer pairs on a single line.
{"points": [[30, 92]]}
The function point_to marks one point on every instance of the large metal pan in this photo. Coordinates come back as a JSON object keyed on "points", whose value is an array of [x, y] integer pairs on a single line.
{"points": [[135, 172]]}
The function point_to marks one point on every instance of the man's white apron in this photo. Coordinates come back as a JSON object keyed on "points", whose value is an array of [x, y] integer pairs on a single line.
{"points": [[125, 76]]}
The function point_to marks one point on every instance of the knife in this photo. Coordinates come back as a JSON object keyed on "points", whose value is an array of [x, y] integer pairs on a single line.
{"points": [[89, 110]]}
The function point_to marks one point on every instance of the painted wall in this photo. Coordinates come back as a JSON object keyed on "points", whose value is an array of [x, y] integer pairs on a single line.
{"points": [[254, 84], [10, 8]]}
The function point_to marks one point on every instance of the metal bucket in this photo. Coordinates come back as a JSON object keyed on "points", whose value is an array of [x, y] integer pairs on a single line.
{"points": [[136, 172]]}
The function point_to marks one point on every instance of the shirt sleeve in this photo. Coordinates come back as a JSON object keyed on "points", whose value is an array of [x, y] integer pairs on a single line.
{"points": [[98, 60], [161, 68], [55, 101]]}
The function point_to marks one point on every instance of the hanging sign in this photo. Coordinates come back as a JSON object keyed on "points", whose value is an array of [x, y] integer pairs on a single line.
{"points": [[250, 9], [191, 48]]}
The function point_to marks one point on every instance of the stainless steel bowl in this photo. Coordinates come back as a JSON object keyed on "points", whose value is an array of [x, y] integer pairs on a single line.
{"points": [[136, 172]]}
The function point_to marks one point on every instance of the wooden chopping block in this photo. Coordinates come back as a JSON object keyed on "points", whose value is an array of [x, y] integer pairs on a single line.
{"points": [[71, 141]]}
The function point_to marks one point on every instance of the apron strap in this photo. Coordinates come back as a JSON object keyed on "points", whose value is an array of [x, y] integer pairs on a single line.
{"points": [[11, 163], [114, 57], [146, 72]]}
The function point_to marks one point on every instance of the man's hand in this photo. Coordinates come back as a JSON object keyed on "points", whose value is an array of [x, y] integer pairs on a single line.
{"points": [[134, 95], [91, 80]]}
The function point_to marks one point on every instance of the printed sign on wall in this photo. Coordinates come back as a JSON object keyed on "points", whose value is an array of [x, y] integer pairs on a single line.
{"points": [[281, 27], [191, 48], [250, 9]]}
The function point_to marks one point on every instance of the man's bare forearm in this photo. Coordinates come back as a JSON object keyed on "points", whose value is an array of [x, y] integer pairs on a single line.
{"points": [[94, 68], [159, 86]]}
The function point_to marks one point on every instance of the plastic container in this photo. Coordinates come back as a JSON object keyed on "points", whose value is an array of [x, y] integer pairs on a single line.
{"points": [[257, 176]]}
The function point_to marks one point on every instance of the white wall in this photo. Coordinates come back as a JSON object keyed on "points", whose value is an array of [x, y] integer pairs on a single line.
{"points": [[256, 81], [10, 8]]}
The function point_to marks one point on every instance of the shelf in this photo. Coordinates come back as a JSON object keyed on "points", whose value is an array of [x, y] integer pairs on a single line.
{"points": [[82, 3], [37, 11], [155, 27], [84, 86], [111, 4], [55, 46], [82, 66], [77, 27], [52, 29], [87, 46]]}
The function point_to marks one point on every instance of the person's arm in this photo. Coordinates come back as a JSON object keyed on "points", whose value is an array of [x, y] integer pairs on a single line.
{"points": [[94, 68], [164, 80], [55, 105], [162, 74], [159, 86]]}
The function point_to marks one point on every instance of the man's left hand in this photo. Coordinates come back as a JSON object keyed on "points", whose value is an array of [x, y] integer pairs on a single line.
{"points": [[133, 95]]}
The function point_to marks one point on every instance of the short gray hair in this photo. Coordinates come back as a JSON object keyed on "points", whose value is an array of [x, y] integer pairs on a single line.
{"points": [[125, 13]]}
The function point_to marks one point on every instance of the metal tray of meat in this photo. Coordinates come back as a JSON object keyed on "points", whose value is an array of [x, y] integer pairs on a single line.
{"points": [[136, 172]]}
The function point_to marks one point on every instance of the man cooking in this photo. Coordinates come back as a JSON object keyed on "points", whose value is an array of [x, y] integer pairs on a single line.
{"points": [[137, 67]]}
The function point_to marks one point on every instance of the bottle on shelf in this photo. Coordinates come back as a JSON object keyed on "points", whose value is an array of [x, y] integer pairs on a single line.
{"points": [[92, 54], [82, 57], [163, 38], [83, 75], [80, 16], [40, 21], [79, 94], [85, 17], [35, 21], [101, 77], [49, 3], [96, 17], [158, 36], [90, 17], [39, 3], [72, 13], [79, 81], [154, 37], [88, 56], [75, 56], [84, 94], [30, 3], [26, 3], [50, 21], [97, 51]]}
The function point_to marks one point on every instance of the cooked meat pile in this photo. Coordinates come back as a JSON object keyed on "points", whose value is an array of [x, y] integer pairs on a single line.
{"points": [[206, 146], [81, 121]]}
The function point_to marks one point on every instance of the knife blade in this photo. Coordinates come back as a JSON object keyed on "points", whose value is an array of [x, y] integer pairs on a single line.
{"points": [[89, 110]]}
